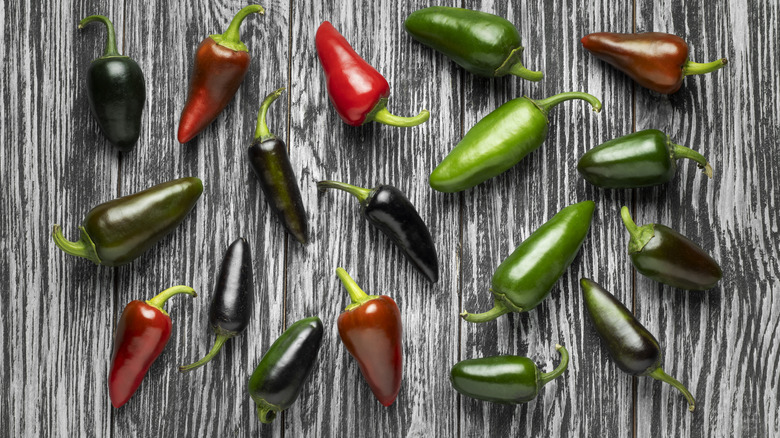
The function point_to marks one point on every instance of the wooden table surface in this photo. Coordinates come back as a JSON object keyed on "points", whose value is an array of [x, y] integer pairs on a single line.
{"points": [[59, 312]]}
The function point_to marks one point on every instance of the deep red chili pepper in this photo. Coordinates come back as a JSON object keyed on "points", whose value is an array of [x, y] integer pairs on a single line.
{"points": [[221, 62], [141, 334], [658, 61], [371, 330], [358, 92]]}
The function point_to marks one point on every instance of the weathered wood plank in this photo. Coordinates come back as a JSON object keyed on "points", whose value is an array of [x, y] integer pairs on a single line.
{"points": [[593, 398], [325, 148], [723, 343], [54, 166]]}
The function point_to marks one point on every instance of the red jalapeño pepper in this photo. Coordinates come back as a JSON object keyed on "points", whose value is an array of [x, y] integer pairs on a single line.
{"points": [[358, 92], [221, 62], [371, 330], [141, 334], [655, 60]]}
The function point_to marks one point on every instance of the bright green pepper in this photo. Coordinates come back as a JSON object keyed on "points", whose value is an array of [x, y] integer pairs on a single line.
{"points": [[484, 44], [503, 379], [642, 159], [499, 141], [525, 278]]}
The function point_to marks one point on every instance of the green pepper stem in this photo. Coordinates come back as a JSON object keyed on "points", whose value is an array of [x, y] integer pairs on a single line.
{"points": [[159, 300], [359, 192], [111, 49], [628, 221], [498, 309], [266, 412], [232, 38], [261, 132], [679, 151], [385, 117], [546, 377], [547, 104], [221, 339], [513, 64], [639, 235], [531, 75], [356, 294], [697, 68], [659, 374], [84, 247]]}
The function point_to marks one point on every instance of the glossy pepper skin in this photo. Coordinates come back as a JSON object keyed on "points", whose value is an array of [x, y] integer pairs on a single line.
{"points": [[657, 61], [141, 335], [526, 277], [484, 44], [499, 141], [221, 62], [357, 91], [119, 231], [116, 91], [370, 328], [668, 257], [268, 157], [231, 307], [633, 348], [642, 159], [278, 379], [389, 210], [503, 379]]}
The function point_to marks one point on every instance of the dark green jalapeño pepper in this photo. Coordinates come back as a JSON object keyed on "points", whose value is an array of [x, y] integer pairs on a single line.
{"points": [[633, 348], [499, 141], [503, 379], [484, 44], [666, 256], [117, 232], [526, 277], [116, 91], [642, 159], [277, 381]]}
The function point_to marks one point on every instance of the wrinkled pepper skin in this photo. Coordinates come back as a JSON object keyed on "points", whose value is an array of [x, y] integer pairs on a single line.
{"points": [[389, 210], [633, 348], [278, 379], [526, 277], [668, 257], [503, 379], [370, 329], [357, 91], [116, 91], [499, 141], [657, 61], [221, 62], [231, 307], [642, 159], [268, 158], [484, 44], [119, 231], [141, 335]]}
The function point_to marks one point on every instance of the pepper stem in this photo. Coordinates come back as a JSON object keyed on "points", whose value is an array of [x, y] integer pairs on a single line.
{"points": [[232, 38], [111, 49], [159, 300], [546, 377], [382, 115], [697, 68], [266, 412], [221, 338], [359, 192], [84, 247], [356, 294], [498, 309], [547, 104], [514, 65], [531, 75], [639, 235], [679, 151], [261, 132], [659, 374]]}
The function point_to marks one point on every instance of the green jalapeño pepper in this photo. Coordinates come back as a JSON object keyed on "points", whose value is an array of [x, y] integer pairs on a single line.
{"points": [[633, 348], [642, 159], [526, 277], [117, 232], [503, 379], [499, 141], [484, 44], [666, 256]]}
